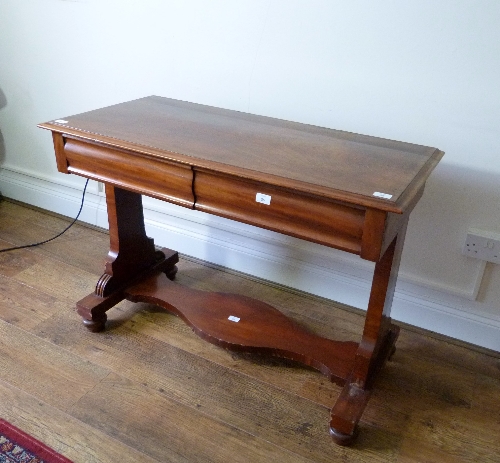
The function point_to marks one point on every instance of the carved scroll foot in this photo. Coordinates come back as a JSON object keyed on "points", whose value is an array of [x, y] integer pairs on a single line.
{"points": [[110, 291]]}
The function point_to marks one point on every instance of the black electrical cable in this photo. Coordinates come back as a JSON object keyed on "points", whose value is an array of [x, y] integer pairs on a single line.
{"points": [[58, 235]]}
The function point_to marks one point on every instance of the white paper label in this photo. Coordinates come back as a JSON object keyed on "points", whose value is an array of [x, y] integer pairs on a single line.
{"points": [[233, 318], [263, 199], [61, 121], [382, 195]]}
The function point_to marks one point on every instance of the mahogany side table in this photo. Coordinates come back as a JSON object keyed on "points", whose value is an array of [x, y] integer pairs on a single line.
{"points": [[343, 190]]}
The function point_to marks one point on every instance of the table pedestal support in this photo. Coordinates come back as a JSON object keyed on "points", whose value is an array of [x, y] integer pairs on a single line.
{"points": [[377, 345], [134, 270]]}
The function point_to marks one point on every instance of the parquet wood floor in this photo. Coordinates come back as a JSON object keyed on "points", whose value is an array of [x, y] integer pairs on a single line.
{"points": [[148, 390]]}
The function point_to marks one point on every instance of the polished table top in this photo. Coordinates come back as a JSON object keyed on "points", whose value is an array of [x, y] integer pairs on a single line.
{"points": [[325, 162]]}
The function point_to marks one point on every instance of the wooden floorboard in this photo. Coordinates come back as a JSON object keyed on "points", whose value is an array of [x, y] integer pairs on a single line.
{"points": [[148, 389]]}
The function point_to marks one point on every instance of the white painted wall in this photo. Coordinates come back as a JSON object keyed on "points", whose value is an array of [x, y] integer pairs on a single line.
{"points": [[426, 72]]}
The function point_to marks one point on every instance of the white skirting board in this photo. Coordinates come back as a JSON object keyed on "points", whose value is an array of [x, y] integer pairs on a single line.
{"points": [[287, 261]]}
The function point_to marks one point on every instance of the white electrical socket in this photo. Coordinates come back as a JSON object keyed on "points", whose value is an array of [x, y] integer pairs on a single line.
{"points": [[482, 245]]}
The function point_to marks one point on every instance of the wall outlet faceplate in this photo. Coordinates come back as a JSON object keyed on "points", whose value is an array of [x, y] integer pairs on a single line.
{"points": [[482, 245]]}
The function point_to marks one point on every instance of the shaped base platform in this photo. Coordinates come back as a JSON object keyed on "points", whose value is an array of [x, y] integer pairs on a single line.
{"points": [[240, 323]]}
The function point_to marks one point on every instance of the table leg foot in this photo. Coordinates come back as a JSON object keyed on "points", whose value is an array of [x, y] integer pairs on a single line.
{"points": [[95, 326], [92, 309], [354, 397], [172, 272], [347, 412], [343, 439]]}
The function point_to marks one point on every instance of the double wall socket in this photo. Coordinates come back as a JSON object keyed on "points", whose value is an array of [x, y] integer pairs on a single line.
{"points": [[482, 245]]}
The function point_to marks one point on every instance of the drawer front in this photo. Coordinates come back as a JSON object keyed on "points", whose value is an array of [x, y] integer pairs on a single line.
{"points": [[157, 178], [297, 214]]}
